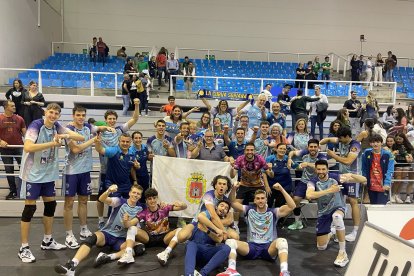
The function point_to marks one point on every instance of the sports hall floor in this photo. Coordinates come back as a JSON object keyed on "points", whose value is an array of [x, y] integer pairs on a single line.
{"points": [[304, 259]]}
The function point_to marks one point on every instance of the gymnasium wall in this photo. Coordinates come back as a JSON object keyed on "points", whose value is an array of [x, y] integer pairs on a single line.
{"points": [[285, 26]]}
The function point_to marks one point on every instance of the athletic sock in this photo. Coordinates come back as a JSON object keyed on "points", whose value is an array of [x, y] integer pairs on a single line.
{"points": [[342, 246], [168, 250], [112, 256], [283, 266], [101, 219], [75, 262], [69, 233], [232, 264], [83, 228], [25, 245], [47, 238]]}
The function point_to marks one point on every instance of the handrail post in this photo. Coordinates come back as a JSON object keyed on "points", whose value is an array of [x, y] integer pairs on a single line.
{"points": [[238, 55], [92, 85], [216, 85], [306, 88], [53, 48], [261, 84], [40, 81], [394, 93], [345, 68], [268, 57], [337, 65], [298, 58], [116, 84], [171, 86], [349, 89]]}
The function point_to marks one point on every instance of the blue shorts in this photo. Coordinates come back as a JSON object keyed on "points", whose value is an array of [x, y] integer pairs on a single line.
{"points": [[259, 251], [77, 184], [123, 191], [31, 190], [112, 241], [351, 189], [323, 224], [300, 189]]}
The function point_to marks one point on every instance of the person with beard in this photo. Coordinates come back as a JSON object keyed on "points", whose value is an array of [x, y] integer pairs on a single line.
{"points": [[309, 157], [249, 167], [326, 189], [347, 160], [262, 240]]}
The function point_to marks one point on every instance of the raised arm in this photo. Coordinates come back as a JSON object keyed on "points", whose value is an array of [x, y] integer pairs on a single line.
{"points": [[105, 196], [135, 115], [290, 203], [242, 105], [206, 103]]}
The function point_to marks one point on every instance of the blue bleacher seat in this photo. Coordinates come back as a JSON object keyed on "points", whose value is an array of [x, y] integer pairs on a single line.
{"points": [[57, 82]]}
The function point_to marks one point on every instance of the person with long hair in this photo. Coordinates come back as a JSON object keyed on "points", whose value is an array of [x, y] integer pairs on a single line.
{"points": [[175, 119], [388, 119], [333, 130], [343, 117], [401, 122], [403, 152], [161, 61], [204, 122], [378, 69], [354, 68], [15, 94], [33, 102], [410, 112], [276, 135], [371, 106]]}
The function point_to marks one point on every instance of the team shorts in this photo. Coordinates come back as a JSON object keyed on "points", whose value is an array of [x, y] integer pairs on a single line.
{"points": [[32, 191], [156, 240], [351, 190], [112, 241], [259, 251], [247, 192], [300, 189], [77, 184]]}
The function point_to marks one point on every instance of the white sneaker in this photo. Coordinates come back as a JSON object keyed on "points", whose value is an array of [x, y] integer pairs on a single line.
{"points": [[392, 199], [71, 242], [52, 245], [196, 273], [341, 260], [398, 199], [408, 200], [126, 258], [351, 236], [26, 255], [163, 257], [84, 234]]}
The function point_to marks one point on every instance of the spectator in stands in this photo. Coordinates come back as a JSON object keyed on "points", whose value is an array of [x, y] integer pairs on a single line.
{"points": [[318, 112], [354, 105], [208, 150], [299, 137], [93, 51], [403, 152], [161, 61], [390, 64], [173, 69], [378, 70], [333, 132], [176, 118], [189, 72], [298, 106], [204, 122], [236, 146], [326, 70], [160, 143], [224, 112], [152, 64], [361, 65], [300, 75], [15, 94], [316, 67], [276, 135], [12, 130], [343, 117], [129, 67], [168, 107], [354, 68], [277, 117], [126, 87], [136, 59], [401, 122], [218, 132], [268, 94], [143, 87], [257, 111], [121, 53], [310, 75], [368, 69], [388, 119], [136, 90], [378, 168], [185, 63], [409, 112], [181, 141], [33, 102], [244, 123], [263, 140], [141, 65], [370, 106], [102, 50], [284, 99]]}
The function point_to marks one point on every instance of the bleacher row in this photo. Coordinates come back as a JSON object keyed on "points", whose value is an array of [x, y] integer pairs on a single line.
{"points": [[215, 68], [405, 77]]}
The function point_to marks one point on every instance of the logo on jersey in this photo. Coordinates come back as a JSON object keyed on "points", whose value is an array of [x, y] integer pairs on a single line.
{"points": [[195, 188]]}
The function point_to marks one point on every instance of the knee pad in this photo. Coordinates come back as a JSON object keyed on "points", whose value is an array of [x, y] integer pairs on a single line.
{"points": [[338, 221], [282, 245], [232, 244], [132, 232], [50, 208], [296, 211], [28, 212], [322, 247], [90, 241], [139, 249]]}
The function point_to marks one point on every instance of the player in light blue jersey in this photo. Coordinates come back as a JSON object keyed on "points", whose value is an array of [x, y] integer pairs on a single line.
{"points": [[326, 189], [262, 241], [160, 143], [39, 171], [114, 233], [110, 139], [309, 157], [77, 174]]}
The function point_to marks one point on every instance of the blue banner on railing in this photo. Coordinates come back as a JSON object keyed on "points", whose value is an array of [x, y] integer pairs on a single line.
{"points": [[234, 96]]}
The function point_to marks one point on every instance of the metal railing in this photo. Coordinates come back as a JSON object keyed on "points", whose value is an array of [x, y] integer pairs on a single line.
{"points": [[349, 84]]}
